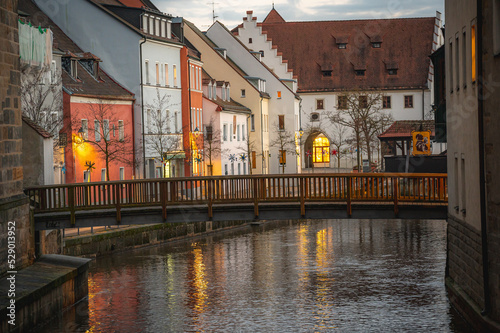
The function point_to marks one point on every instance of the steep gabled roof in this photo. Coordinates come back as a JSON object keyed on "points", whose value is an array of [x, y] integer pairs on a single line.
{"points": [[309, 46], [36, 127], [273, 17]]}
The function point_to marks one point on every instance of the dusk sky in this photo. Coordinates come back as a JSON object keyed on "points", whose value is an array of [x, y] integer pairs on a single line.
{"points": [[231, 12]]}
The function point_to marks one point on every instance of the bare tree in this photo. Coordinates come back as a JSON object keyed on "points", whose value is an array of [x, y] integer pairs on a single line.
{"points": [[359, 111], [284, 141], [163, 130], [247, 148], [339, 139], [104, 130], [41, 97], [211, 144]]}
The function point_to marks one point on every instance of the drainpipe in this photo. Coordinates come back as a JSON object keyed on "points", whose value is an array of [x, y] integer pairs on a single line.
{"points": [[262, 135], [190, 136], [482, 183], [142, 113]]}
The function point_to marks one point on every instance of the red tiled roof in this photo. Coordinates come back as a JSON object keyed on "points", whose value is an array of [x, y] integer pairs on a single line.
{"points": [[273, 17], [403, 128], [310, 45]]}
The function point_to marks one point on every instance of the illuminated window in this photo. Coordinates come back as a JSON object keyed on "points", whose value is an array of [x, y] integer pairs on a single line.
{"points": [[321, 149], [175, 76], [279, 94], [473, 51], [254, 159]]}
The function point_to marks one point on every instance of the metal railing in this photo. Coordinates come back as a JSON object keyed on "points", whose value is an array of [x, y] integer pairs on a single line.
{"points": [[375, 188]]}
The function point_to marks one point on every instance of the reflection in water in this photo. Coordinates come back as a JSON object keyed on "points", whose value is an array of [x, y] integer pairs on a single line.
{"points": [[321, 276]]}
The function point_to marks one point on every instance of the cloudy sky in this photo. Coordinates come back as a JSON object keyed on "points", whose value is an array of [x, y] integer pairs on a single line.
{"points": [[231, 12]]}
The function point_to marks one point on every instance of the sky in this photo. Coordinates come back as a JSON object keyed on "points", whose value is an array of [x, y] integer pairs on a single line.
{"points": [[231, 12]]}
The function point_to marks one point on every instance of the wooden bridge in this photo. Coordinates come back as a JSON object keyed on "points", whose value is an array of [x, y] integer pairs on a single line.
{"points": [[251, 198]]}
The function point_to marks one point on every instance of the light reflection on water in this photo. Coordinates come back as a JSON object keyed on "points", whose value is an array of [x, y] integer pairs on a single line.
{"points": [[321, 276]]}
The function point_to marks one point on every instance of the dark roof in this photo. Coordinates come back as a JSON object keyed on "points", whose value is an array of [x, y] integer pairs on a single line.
{"points": [[402, 129], [309, 46], [36, 127], [86, 84], [230, 105]]}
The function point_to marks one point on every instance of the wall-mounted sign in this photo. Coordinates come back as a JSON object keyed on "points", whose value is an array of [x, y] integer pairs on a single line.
{"points": [[421, 142]]}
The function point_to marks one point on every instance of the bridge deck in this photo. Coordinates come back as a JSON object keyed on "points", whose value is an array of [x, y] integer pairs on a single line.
{"points": [[314, 196]]}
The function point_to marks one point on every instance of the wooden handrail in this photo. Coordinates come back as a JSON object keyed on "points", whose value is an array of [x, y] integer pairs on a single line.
{"points": [[302, 188]]}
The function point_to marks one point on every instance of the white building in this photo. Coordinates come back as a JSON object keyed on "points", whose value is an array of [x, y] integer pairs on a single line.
{"points": [[328, 58]]}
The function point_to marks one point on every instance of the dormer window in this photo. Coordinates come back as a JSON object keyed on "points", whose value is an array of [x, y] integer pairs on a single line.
{"points": [[326, 73], [228, 98], [376, 45], [262, 53], [223, 93], [91, 66], [391, 67], [145, 23], [360, 72], [210, 90], [392, 71], [69, 65], [249, 40], [342, 45]]}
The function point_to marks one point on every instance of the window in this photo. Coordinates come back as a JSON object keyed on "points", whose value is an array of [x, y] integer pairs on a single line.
{"points": [[254, 160], [148, 121], [261, 53], [224, 132], [97, 131], [342, 103], [244, 168], [157, 74], [239, 169], [376, 45], [360, 72], [122, 173], [473, 52], [342, 45], [243, 93], [363, 102], [281, 122], [105, 129], [320, 104], [252, 123], [151, 25], [450, 58], [232, 168], [457, 63], [175, 76], [176, 121], [282, 156], [326, 73], [314, 116], [63, 139], [145, 23], [238, 133], [464, 59], [146, 71], [85, 129], [409, 101], [166, 75], [121, 130], [225, 169], [86, 177], [53, 71], [249, 40], [243, 132], [103, 175], [392, 71], [386, 102], [279, 94], [321, 149], [163, 28]]}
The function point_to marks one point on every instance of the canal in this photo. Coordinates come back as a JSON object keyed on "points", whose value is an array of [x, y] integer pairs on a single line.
{"points": [[320, 276]]}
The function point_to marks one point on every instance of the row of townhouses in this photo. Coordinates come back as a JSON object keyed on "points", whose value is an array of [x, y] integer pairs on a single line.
{"points": [[145, 94]]}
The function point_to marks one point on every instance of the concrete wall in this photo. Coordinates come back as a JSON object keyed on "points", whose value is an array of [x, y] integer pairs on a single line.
{"points": [[13, 203]]}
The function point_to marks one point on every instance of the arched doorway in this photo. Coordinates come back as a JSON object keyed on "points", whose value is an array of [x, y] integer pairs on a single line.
{"points": [[317, 150]]}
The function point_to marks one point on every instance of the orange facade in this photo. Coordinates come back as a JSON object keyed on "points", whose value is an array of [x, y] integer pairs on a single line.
{"points": [[192, 111], [93, 122]]}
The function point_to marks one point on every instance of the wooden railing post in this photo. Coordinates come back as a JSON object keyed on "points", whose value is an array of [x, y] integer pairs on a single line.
{"points": [[163, 199], [210, 199], [118, 202], [349, 195], [256, 197], [302, 198], [71, 201], [395, 193]]}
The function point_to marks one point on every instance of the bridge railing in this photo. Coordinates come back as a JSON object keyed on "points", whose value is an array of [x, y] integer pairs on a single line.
{"points": [[302, 188]]}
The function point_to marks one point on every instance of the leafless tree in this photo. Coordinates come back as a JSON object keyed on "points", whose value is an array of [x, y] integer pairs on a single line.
{"points": [[247, 148], [211, 144], [361, 112], [339, 140], [41, 97], [163, 130], [104, 130], [284, 141]]}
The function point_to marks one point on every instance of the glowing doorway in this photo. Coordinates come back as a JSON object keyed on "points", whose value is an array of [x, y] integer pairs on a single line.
{"points": [[321, 149]]}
